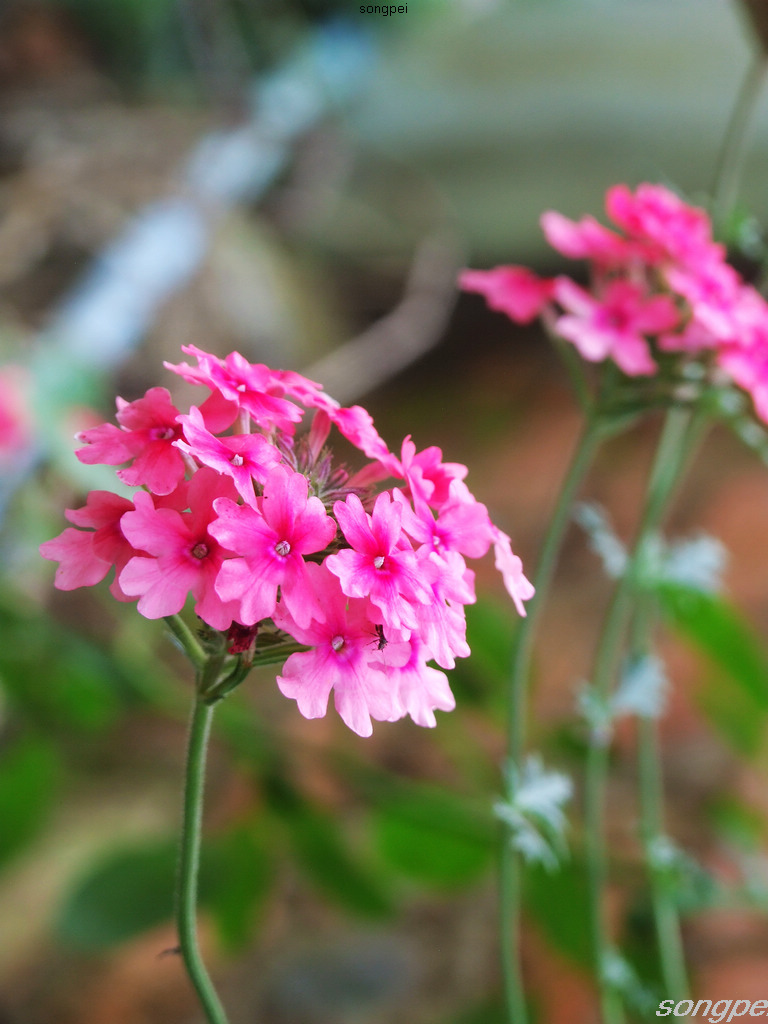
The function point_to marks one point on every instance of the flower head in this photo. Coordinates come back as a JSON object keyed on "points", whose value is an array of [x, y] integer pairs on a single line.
{"points": [[279, 547]]}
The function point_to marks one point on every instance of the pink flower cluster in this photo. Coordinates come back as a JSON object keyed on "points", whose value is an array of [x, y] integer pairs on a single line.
{"points": [[658, 285], [272, 539]]}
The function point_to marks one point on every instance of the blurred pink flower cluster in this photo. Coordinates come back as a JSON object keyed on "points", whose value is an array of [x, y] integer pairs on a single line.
{"points": [[16, 421], [658, 285], [267, 533]]}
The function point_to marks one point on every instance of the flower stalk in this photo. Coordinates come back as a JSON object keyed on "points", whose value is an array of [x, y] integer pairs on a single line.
{"points": [[189, 862], [511, 867], [681, 429]]}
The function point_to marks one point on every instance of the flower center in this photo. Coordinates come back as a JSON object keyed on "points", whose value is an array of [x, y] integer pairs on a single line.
{"points": [[378, 561], [161, 433], [237, 460], [283, 548], [337, 643], [200, 550]]}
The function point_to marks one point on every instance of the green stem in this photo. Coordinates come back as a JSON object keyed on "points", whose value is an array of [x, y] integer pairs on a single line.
{"points": [[665, 913], [187, 641], [189, 863], [731, 157], [664, 475], [510, 869]]}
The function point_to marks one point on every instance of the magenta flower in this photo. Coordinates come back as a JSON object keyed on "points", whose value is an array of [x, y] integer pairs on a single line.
{"points": [[421, 689], [244, 457], [252, 387], [182, 556], [616, 324], [345, 657], [149, 430], [511, 569], [585, 239], [272, 540], [16, 420], [375, 565], [671, 229], [86, 555], [513, 290]]}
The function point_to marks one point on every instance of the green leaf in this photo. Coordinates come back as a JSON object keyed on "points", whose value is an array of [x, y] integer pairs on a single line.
{"points": [[490, 632], [331, 865], [734, 713], [235, 877], [125, 893], [720, 632], [434, 837], [29, 772], [55, 676], [559, 903]]}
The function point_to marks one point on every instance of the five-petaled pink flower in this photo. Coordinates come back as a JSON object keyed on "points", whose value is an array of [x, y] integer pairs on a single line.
{"points": [[272, 539], [377, 565]]}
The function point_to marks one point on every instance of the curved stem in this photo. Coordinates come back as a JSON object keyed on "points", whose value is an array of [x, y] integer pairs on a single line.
{"points": [[731, 157], [510, 873], [189, 863], [664, 475]]}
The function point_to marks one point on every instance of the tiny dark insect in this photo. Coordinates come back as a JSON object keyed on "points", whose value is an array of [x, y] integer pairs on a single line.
{"points": [[382, 640]]}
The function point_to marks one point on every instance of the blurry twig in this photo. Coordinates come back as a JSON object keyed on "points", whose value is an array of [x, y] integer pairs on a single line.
{"points": [[403, 335]]}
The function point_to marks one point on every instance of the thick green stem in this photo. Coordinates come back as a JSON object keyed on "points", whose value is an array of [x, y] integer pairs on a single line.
{"points": [[189, 863], [510, 871], [664, 475]]}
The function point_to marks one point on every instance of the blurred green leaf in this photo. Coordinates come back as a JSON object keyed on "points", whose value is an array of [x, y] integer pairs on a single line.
{"points": [[29, 771], [131, 889], [320, 849], [434, 837], [734, 713], [126, 892], [737, 823], [558, 901], [490, 1011], [235, 877], [55, 676], [720, 632]]}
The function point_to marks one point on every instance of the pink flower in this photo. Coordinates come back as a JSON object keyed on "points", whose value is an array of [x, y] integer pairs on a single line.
{"points": [[513, 290], [655, 215], [422, 690], [183, 557], [428, 478], [356, 424], [344, 657], [252, 387], [511, 568], [585, 239], [462, 524], [86, 555], [614, 325], [272, 539], [16, 431], [376, 566], [149, 430], [244, 457]]}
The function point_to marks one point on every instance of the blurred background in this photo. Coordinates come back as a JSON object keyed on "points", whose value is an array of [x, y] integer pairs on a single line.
{"points": [[302, 182]]}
